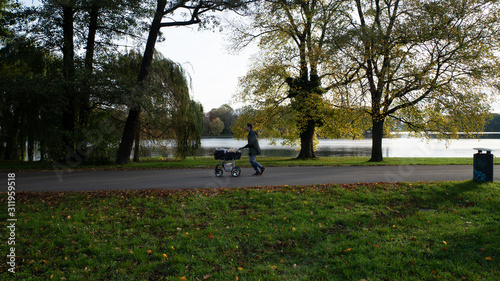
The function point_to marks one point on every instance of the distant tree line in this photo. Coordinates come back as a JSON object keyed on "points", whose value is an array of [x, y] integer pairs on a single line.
{"points": [[493, 123], [219, 121]]}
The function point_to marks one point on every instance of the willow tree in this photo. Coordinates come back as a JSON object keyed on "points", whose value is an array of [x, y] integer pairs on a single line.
{"points": [[167, 109], [290, 74], [167, 14], [426, 64]]}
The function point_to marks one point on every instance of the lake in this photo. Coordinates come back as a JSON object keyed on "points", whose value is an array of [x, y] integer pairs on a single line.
{"points": [[392, 147]]}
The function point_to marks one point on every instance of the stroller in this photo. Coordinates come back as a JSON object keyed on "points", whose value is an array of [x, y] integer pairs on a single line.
{"points": [[227, 155]]}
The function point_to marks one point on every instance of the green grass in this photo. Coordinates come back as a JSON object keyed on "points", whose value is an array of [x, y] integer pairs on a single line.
{"points": [[209, 162], [420, 231]]}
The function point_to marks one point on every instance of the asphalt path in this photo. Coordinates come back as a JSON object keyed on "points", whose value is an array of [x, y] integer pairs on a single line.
{"points": [[62, 180]]}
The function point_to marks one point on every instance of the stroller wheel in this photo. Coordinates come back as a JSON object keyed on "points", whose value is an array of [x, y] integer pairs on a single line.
{"points": [[218, 172], [235, 172]]}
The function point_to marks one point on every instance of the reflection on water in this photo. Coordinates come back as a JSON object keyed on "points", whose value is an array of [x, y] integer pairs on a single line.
{"points": [[397, 147]]}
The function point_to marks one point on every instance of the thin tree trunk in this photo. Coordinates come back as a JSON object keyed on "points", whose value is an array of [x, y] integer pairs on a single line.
{"points": [[137, 147], [128, 135], [69, 74], [31, 147], [85, 107]]}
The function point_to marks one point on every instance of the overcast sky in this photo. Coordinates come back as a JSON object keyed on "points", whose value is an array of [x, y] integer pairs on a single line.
{"points": [[213, 70]]}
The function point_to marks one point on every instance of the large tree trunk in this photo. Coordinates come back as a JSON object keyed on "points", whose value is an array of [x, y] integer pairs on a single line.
{"points": [[377, 135], [129, 131], [307, 141], [128, 137]]}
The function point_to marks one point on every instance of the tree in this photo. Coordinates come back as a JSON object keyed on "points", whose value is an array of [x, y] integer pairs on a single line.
{"points": [[427, 64], [167, 109], [4, 5], [291, 74], [216, 126], [193, 14], [226, 114], [30, 101], [54, 25], [188, 128], [493, 124]]}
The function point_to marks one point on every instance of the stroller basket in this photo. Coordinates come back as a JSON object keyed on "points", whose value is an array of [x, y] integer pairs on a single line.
{"points": [[226, 154]]}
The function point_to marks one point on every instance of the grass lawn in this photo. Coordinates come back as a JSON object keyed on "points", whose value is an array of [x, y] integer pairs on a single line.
{"points": [[420, 231], [209, 162]]}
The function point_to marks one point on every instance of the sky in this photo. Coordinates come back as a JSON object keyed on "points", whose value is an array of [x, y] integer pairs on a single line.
{"points": [[204, 55]]}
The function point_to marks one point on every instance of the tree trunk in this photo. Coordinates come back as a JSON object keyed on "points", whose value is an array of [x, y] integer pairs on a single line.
{"points": [[85, 107], [69, 74], [137, 147], [31, 147], [12, 150], [307, 141], [128, 135], [377, 135]]}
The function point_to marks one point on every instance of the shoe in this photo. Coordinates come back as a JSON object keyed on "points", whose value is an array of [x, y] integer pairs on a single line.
{"points": [[256, 174], [262, 170]]}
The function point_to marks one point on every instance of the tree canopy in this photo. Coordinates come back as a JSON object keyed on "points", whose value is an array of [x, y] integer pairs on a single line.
{"points": [[292, 72], [427, 64], [430, 65]]}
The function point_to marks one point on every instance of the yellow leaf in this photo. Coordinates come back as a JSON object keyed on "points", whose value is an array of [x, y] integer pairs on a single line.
{"points": [[183, 278], [445, 243], [489, 258], [165, 255]]}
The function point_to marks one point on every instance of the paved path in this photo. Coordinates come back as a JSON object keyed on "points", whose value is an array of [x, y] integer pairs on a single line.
{"points": [[203, 178]]}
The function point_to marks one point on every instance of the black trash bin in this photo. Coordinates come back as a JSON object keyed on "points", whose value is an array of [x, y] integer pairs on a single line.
{"points": [[483, 165]]}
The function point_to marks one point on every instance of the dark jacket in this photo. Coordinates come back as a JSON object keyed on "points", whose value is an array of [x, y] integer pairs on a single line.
{"points": [[253, 143]]}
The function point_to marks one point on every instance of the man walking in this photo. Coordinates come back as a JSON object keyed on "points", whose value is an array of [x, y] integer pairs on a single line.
{"points": [[254, 150]]}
